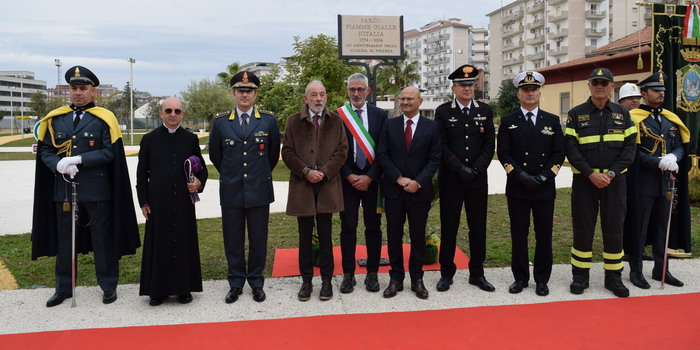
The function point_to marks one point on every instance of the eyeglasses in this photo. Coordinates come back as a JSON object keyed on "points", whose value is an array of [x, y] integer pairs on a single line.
{"points": [[602, 83], [357, 89], [170, 110]]}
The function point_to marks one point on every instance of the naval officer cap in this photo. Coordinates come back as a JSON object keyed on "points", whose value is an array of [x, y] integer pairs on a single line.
{"points": [[655, 82], [464, 75], [528, 79], [245, 81], [79, 75], [601, 73]]}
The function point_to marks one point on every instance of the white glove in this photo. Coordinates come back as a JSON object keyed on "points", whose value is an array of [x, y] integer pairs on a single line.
{"points": [[72, 170], [673, 167], [62, 165], [74, 160], [667, 161]]}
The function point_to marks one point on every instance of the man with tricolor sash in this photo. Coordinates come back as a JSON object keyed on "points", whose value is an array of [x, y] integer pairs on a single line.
{"points": [[661, 140], [82, 143], [600, 145], [361, 176]]}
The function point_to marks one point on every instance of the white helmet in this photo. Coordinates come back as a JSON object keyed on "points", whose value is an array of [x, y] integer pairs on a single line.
{"points": [[629, 90]]}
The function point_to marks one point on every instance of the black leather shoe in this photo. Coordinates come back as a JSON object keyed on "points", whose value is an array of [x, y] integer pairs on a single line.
{"points": [[326, 290], [258, 294], [305, 291], [109, 297], [638, 280], [668, 280], [614, 284], [372, 282], [394, 287], [418, 287], [647, 257], [482, 283], [444, 284], [517, 287], [57, 299], [185, 298], [233, 294], [541, 289], [348, 284], [578, 285], [155, 301]]}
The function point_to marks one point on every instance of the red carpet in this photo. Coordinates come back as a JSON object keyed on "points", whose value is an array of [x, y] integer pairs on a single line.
{"points": [[655, 322], [287, 261]]}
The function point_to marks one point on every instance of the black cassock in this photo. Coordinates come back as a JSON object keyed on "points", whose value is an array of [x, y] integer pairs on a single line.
{"points": [[170, 263]]}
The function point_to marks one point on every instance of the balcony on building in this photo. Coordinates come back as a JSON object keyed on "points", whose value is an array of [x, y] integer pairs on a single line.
{"points": [[535, 24], [435, 38], [513, 45], [561, 33], [596, 31], [508, 32], [596, 14], [595, 1], [512, 61], [512, 17], [538, 39], [558, 51], [556, 2], [436, 72], [535, 56], [537, 7], [434, 50], [558, 18], [437, 61]]}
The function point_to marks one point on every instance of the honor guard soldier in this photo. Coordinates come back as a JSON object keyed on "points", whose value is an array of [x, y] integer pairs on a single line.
{"points": [[82, 143], [600, 145], [244, 145], [531, 149], [468, 144], [661, 140]]}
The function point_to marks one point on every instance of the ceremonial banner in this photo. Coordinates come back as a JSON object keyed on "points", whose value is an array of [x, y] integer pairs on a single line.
{"points": [[675, 49]]}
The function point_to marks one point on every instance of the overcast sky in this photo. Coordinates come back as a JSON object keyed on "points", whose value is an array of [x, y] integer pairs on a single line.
{"points": [[177, 41]]}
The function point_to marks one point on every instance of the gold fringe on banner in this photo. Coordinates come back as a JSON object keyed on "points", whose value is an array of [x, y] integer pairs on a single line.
{"points": [[694, 169]]}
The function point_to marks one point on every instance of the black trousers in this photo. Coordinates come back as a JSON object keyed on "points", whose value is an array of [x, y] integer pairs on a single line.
{"points": [[475, 201], [349, 219], [654, 215], [234, 222], [396, 212], [586, 199], [542, 213], [323, 228], [99, 216]]}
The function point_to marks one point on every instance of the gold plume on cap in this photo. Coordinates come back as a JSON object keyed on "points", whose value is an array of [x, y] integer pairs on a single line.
{"points": [[661, 78], [245, 78], [77, 72], [600, 72], [467, 70]]}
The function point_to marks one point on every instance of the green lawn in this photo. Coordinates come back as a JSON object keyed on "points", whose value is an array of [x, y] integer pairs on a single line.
{"points": [[15, 250]]}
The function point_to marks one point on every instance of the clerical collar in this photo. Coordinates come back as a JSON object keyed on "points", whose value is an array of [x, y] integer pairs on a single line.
{"points": [[171, 131]]}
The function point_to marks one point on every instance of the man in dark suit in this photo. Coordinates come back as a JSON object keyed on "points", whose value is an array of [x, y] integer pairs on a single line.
{"points": [[361, 175], [409, 154], [468, 144], [661, 137], [82, 143], [244, 146], [531, 149]]}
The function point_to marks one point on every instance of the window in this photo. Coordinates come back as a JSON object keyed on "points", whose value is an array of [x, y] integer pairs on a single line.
{"points": [[634, 24], [564, 103]]}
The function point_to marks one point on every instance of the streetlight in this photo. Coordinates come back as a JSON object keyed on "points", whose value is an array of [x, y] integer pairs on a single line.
{"points": [[58, 74], [131, 98]]}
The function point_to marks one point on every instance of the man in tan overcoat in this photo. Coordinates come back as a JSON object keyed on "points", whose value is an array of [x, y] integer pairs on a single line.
{"points": [[314, 149]]}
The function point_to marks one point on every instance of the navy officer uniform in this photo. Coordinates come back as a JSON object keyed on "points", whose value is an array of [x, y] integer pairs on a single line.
{"points": [[83, 142], [468, 145], [531, 150], [244, 147], [661, 137]]}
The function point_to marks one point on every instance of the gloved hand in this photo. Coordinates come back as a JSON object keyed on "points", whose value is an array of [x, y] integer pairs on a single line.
{"points": [[72, 170], [531, 183], [62, 165], [74, 160], [666, 162], [467, 173], [673, 167]]}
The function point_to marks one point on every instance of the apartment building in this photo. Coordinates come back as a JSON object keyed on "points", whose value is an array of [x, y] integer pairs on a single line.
{"points": [[16, 89], [440, 47], [534, 34]]}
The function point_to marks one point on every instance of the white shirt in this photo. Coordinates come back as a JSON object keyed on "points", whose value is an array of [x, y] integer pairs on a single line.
{"points": [[415, 123], [312, 114], [534, 113], [248, 112], [461, 106]]}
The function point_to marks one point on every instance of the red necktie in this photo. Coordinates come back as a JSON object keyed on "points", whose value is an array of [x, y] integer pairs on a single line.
{"points": [[409, 134], [316, 125]]}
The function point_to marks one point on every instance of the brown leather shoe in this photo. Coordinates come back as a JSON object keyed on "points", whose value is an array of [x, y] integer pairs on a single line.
{"points": [[394, 287], [418, 287]]}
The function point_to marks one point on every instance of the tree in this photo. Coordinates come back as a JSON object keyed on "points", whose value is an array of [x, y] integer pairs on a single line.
{"points": [[275, 94], [392, 79], [120, 105], [507, 101], [40, 105], [153, 112], [205, 98], [231, 70]]}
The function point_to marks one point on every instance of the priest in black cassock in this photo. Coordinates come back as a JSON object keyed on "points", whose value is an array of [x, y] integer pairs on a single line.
{"points": [[170, 264]]}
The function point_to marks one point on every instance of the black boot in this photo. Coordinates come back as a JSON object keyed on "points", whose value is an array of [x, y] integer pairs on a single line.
{"points": [[613, 283], [580, 282]]}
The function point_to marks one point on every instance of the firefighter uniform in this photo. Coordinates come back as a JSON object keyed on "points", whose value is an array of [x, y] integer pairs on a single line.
{"points": [[598, 140]]}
